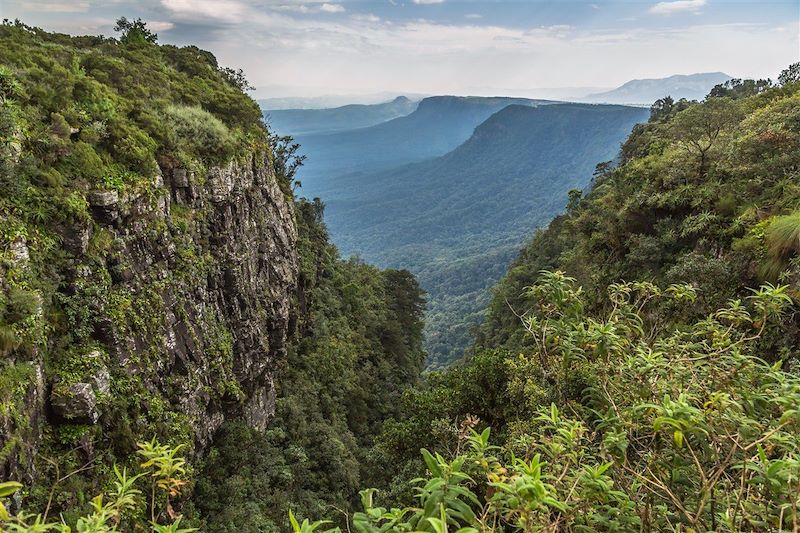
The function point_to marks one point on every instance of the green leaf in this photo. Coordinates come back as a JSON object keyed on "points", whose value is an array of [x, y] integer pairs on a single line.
{"points": [[293, 521], [431, 462], [8, 488], [678, 438]]}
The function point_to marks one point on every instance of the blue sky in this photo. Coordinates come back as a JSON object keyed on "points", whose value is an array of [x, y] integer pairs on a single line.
{"points": [[308, 48]]}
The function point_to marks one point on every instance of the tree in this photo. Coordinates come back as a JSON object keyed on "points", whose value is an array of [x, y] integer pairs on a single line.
{"points": [[791, 74], [661, 109], [737, 88], [699, 126], [237, 79], [286, 159], [135, 31]]}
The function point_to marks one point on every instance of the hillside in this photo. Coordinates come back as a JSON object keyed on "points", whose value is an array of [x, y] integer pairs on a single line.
{"points": [[296, 122], [645, 92], [183, 349], [161, 290], [457, 221], [647, 380], [438, 125]]}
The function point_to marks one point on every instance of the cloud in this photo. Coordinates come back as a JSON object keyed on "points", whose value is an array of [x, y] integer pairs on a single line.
{"points": [[331, 8], [159, 25], [56, 7], [677, 6], [425, 2], [473, 16], [366, 18], [205, 11]]}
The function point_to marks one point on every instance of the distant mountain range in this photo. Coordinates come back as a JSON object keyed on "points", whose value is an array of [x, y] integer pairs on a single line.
{"points": [[645, 92], [436, 126], [452, 186], [307, 121], [458, 220]]}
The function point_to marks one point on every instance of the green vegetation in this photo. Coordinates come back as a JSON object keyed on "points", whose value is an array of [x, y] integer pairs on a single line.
{"points": [[359, 345], [659, 428], [124, 503], [664, 403], [89, 124], [667, 402], [459, 220]]}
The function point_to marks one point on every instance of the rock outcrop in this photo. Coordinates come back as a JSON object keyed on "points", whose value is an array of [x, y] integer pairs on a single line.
{"points": [[180, 295]]}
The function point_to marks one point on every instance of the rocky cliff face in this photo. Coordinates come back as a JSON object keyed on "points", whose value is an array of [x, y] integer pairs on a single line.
{"points": [[177, 293]]}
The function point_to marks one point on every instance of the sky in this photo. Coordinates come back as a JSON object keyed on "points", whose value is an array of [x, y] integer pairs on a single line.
{"points": [[357, 47]]}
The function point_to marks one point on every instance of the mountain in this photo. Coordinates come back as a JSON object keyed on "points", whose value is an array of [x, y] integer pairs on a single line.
{"points": [[326, 101], [438, 125], [161, 289], [647, 91], [457, 221], [307, 121], [646, 338]]}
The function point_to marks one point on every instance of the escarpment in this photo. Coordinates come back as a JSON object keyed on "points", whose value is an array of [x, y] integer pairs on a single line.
{"points": [[177, 299]]}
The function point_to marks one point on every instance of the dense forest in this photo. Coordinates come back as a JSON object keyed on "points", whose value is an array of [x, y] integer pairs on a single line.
{"points": [[180, 354]]}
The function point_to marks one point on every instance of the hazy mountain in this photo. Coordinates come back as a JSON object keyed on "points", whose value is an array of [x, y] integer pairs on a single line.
{"points": [[438, 125], [328, 101], [305, 121], [645, 92], [457, 221]]}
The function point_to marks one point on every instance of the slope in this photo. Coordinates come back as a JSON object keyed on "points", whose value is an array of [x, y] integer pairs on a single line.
{"points": [[308, 121], [438, 125], [653, 384], [458, 220], [647, 91]]}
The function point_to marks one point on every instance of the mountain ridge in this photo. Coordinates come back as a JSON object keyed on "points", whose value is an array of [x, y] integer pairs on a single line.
{"points": [[645, 91]]}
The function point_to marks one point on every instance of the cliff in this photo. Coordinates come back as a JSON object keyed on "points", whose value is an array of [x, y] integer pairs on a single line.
{"points": [[147, 253], [187, 303]]}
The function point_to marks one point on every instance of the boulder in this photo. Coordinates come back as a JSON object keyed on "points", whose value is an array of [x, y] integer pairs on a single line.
{"points": [[75, 402]]}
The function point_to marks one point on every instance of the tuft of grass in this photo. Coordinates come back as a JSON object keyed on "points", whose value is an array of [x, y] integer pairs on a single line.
{"points": [[782, 237]]}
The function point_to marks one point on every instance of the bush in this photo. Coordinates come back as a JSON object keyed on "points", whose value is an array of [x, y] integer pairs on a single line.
{"points": [[198, 133]]}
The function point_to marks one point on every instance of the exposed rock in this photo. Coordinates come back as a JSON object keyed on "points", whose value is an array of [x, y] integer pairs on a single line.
{"points": [[194, 311], [103, 198], [104, 206], [75, 402], [76, 238], [180, 178], [101, 381], [19, 251]]}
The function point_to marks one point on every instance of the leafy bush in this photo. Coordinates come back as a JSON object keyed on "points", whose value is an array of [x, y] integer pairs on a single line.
{"points": [[198, 132], [679, 429]]}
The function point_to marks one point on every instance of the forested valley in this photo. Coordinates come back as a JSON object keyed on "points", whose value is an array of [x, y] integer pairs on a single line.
{"points": [[182, 347]]}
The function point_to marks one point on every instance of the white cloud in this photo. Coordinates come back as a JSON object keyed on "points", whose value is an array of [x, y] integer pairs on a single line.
{"points": [[331, 8], [473, 16], [677, 6], [424, 2], [159, 25], [366, 18], [225, 11], [56, 7]]}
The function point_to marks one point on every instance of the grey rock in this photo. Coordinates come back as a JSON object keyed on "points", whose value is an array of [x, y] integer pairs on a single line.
{"points": [[19, 251], [101, 380], [232, 270], [75, 402], [180, 178], [76, 238], [103, 198]]}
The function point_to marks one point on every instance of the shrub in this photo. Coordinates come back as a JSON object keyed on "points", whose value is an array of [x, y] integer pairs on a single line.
{"points": [[198, 133]]}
